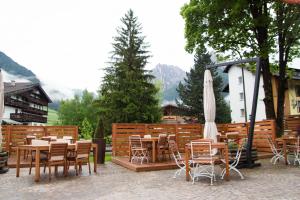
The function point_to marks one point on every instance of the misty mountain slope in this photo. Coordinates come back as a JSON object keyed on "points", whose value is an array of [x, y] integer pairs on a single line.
{"points": [[169, 76], [13, 68]]}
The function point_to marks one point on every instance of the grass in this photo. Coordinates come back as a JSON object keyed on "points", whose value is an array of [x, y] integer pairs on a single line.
{"points": [[52, 117], [107, 157]]}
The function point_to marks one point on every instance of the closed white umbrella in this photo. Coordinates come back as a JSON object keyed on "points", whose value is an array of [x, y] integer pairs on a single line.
{"points": [[209, 103], [1, 106]]}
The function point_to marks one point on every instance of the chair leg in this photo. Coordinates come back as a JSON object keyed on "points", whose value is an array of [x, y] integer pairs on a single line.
{"points": [[30, 166], [49, 168], [65, 168], [76, 169], [89, 164]]}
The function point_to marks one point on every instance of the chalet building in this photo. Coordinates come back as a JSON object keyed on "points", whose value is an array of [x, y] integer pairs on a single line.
{"points": [[25, 103], [240, 98]]}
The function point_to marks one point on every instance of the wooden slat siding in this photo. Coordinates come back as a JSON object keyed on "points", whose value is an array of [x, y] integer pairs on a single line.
{"points": [[262, 130], [188, 132], [291, 122], [121, 132], [15, 134], [222, 128]]}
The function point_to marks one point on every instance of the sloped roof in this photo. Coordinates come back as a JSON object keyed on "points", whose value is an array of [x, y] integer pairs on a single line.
{"points": [[20, 87]]}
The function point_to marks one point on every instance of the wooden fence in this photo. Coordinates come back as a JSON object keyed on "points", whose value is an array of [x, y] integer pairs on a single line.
{"points": [[14, 135], [187, 132]]}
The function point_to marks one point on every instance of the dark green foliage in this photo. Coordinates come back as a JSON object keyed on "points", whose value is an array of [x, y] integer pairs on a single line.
{"points": [[80, 111], [191, 91], [127, 93], [14, 68]]}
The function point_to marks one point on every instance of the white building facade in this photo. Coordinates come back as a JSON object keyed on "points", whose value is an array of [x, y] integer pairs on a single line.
{"points": [[241, 101]]}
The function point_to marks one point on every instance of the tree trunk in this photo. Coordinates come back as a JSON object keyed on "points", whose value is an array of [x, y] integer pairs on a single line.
{"points": [[267, 80]]}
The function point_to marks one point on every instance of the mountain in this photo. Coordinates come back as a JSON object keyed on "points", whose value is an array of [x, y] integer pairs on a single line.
{"points": [[15, 69], [169, 76]]}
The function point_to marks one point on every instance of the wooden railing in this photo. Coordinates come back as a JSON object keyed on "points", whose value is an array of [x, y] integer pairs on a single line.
{"points": [[14, 135], [187, 132], [25, 117]]}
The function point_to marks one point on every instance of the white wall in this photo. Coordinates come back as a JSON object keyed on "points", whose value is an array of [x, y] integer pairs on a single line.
{"points": [[7, 111], [235, 88]]}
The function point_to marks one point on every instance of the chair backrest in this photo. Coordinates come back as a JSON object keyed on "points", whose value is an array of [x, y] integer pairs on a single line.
{"points": [[135, 142], [171, 137], [83, 149], [201, 150], [29, 138], [174, 149], [39, 142], [58, 151], [162, 140], [239, 151]]}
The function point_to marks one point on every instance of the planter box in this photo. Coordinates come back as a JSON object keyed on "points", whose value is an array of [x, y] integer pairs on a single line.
{"points": [[3, 162], [243, 158]]}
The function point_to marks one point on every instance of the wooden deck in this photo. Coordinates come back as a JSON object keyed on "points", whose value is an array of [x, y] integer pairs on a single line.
{"points": [[124, 161]]}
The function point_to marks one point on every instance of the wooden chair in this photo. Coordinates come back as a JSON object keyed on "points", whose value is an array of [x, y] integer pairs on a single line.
{"points": [[43, 155], [57, 156], [27, 141], [82, 152], [162, 145]]}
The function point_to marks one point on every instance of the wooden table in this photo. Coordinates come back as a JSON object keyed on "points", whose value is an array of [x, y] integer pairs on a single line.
{"points": [[219, 145], [38, 149], [153, 141], [285, 140]]}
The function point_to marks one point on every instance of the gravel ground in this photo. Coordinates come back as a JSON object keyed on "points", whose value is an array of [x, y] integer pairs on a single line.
{"points": [[115, 182]]}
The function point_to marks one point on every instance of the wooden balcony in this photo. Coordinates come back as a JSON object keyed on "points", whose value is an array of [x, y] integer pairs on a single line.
{"points": [[35, 100], [15, 103], [24, 117], [35, 111]]}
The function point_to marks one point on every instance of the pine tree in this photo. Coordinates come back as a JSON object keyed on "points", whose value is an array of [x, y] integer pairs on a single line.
{"points": [[191, 91], [127, 93]]}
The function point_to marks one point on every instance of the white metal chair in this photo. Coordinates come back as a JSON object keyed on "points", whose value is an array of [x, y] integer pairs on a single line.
{"points": [[203, 160], [277, 152], [180, 162], [138, 152], [234, 161]]}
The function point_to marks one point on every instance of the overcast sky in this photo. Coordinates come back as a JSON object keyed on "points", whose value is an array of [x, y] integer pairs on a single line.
{"points": [[66, 43]]}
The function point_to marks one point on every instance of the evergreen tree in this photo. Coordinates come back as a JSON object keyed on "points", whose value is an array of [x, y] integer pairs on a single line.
{"points": [[127, 93], [191, 91]]}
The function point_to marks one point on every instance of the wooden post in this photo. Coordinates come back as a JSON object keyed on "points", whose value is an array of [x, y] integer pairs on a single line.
{"points": [[113, 140], [176, 133], [8, 138]]}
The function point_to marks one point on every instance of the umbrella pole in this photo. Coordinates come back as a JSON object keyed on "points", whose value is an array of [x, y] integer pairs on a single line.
{"points": [[250, 163]]}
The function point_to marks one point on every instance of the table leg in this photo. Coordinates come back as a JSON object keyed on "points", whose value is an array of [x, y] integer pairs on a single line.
{"points": [[284, 152], [130, 153], [227, 163], [18, 162], [187, 165], [153, 152], [95, 154], [37, 165]]}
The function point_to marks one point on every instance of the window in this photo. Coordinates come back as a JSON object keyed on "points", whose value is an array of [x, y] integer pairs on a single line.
{"points": [[297, 90], [242, 112], [241, 96], [240, 80], [298, 106]]}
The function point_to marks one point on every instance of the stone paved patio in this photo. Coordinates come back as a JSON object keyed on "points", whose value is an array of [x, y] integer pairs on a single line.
{"points": [[115, 182]]}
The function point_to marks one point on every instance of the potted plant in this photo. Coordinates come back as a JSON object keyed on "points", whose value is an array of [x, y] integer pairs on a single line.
{"points": [[99, 139]]}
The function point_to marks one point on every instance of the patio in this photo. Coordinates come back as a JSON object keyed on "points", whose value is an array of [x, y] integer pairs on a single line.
{"points": [[115, 182]]}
